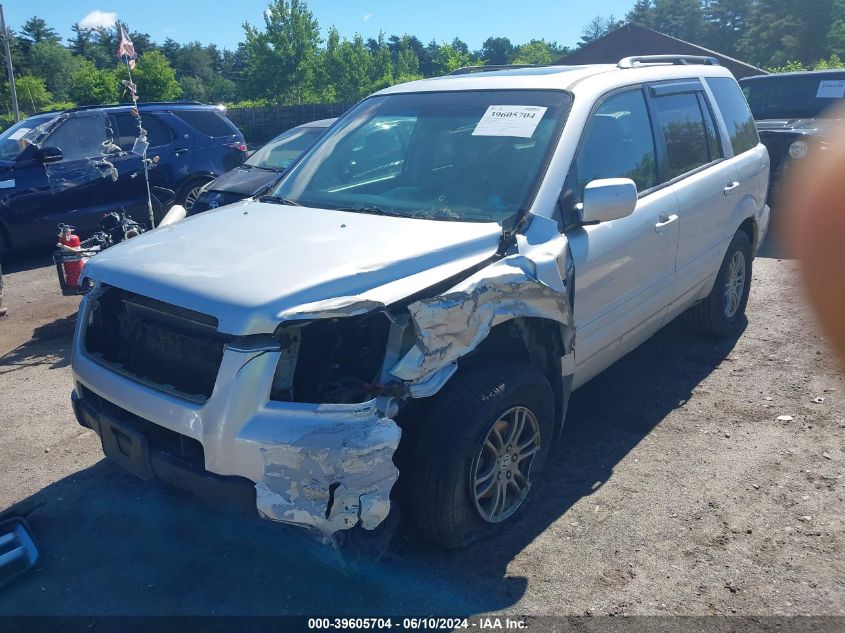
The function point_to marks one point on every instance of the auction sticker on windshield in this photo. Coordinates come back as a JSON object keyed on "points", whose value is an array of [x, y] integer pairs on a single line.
{"points": [[509, 120], [829, 89]]}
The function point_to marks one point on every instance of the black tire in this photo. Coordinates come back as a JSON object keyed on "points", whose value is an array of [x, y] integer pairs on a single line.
{"points": [[185, 191], [4, 247], [712, 317], [449, 446]]}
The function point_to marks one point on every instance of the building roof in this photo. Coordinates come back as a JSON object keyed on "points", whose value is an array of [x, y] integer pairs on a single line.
{"points": [[633, 39]]}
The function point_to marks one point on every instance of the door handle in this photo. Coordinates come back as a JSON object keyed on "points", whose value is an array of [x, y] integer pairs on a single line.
{"points": [[180, 151], [731, 186], [664, 221]]}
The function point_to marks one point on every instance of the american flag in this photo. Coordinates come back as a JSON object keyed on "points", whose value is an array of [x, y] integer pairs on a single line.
{"points": [[126, 50]]}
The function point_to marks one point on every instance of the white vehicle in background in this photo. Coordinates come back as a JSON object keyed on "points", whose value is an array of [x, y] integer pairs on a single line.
{"points": [[422, 291]]}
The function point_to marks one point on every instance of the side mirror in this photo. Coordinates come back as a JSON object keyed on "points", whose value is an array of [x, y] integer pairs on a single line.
{"points": [[608, 199], [49, 155]]}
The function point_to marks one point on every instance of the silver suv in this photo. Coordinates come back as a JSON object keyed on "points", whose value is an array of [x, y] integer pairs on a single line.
{"points": [[420, 294]]}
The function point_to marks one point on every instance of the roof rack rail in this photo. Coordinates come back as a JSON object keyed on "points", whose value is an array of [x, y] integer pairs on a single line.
{"points": [[468, 70], [129, 104], [678, 60]]}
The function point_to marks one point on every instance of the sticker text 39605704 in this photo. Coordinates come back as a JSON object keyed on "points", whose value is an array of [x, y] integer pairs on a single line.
{"points": [[509, 120]]}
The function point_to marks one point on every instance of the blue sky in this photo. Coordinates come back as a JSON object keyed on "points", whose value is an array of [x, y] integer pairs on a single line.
{"points": [[219, 22]]}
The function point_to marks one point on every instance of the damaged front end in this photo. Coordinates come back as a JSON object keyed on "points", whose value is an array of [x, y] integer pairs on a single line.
{"points": [[366, 368], [312, 413]]}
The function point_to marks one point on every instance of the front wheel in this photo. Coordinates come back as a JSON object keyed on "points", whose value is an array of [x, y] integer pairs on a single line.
{"points": [[188, 195], [480, 452], [721, 313]]}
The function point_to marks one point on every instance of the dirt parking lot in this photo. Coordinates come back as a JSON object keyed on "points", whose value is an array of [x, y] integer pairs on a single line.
{"points": [[676, 489]]}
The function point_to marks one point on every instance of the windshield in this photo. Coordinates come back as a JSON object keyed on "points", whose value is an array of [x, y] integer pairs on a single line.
{"points": [[794, 96], [15, 139], [468, 156], [280, 153]]}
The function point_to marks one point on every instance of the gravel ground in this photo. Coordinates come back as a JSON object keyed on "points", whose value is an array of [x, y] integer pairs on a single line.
{"points": [[676, 490]]}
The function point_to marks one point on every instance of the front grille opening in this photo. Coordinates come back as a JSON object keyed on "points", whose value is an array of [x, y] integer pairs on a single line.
{"points": [[340, 360], [184, 448], [161, 345]]}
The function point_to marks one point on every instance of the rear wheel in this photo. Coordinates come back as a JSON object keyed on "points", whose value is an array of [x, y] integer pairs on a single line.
{"points": [[480, 452], [722, 312]]}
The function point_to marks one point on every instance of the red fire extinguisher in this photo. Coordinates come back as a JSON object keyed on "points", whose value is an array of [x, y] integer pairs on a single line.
{"points": [[72, 266]]}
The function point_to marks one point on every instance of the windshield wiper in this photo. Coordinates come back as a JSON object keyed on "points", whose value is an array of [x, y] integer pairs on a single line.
{"points": [[279, 200], [374, 210]]}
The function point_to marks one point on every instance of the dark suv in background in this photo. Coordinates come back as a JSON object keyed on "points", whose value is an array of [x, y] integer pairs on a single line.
{"points": [[795, 114], [72, 167]]}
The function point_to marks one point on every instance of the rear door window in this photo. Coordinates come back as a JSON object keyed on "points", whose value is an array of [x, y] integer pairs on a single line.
{"points": [[126, 130], [681, 121], [735, 112], [209, 122]]}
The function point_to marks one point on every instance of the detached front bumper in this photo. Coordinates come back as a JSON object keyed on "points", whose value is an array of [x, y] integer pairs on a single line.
{"points": [[323, 466]]}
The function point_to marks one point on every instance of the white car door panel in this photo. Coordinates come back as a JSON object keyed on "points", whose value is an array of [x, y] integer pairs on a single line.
{"points": [[624, 281]]}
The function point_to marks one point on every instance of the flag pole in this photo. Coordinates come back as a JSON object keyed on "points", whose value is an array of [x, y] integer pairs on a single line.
{"points": [[142, 133], [9, 66]]}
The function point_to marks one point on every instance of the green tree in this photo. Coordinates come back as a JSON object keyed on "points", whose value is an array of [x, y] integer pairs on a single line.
{"points": [[351, 72], [89, 85], [220, 90], [35, 30], [195, 59], [831, 63], [55, 64], [155, 78], [726, 23], [85, 43], [33, 95], [193, 88], [381, 65], [835, 38], [448, 58], [642, 13], [407, 66], [534, 52], [497, 51], [280, 58], [683, 19], [598, 27], [790, 66], [784, 30]]}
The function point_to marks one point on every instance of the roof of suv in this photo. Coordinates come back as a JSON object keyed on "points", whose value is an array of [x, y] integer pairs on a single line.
{"points": [[558, 77], [148, 106]]}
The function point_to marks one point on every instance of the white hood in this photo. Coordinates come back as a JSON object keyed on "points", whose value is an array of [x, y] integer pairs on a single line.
{"points": [[252, 265]]}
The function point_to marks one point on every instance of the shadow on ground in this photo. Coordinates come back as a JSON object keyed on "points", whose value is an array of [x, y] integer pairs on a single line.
{"points": [[50, 345], [112, 544], [29, 260]]}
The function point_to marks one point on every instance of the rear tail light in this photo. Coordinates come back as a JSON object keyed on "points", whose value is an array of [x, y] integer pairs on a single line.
{"points": [[238, 146]]}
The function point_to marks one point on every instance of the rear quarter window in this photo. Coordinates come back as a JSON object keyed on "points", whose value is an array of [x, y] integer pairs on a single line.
{"points": [[209, 122], [735, 112]]}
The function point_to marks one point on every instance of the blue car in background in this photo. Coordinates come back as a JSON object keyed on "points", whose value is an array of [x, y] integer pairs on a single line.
{"points": [[71, 167], [262, 169]]}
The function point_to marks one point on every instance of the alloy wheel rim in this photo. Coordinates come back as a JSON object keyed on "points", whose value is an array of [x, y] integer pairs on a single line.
{"points": [[191, 198], [501, 473], [734, 285]]}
